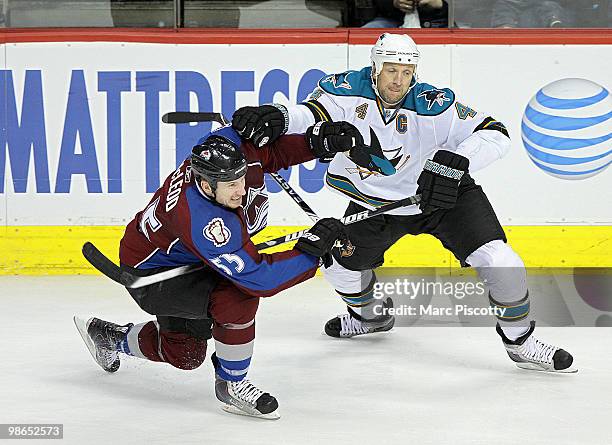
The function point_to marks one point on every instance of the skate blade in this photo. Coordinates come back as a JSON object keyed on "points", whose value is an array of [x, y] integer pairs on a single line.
{"points": [[233, 410], [348, 337], [82, 326], [534, 367]]}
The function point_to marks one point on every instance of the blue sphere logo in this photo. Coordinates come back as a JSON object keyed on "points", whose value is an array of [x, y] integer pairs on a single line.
{"points": [[567, 129]]}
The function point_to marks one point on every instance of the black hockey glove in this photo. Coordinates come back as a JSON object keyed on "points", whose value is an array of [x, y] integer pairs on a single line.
{"points": [[261, 125], [320, 239], [328, 138], [439, 180]]}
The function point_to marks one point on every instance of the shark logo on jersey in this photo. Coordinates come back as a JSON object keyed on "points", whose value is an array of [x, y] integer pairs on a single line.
{"points": [[434, 97], [362, 172], [394, 155], [217, 232], [338, 80]]}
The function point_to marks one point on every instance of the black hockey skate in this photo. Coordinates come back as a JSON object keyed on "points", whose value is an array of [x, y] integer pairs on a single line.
{"points": [[530, 353], [352, 324], [101, 338], [244, 398]]}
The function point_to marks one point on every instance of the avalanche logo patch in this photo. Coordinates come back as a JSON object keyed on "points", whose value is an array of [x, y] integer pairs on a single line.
{"points": [[217, 233], [256, 209], [434, 97]]}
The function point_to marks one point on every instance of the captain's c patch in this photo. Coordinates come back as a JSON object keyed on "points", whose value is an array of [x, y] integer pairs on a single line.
{"points": [[401, 123]]}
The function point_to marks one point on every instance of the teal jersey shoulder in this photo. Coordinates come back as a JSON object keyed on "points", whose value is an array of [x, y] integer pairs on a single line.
{"points": [[428, 100], [423, 98], [349, 83]]}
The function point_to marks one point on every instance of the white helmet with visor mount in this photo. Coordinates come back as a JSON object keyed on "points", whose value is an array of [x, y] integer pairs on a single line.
{"points": [[393, 48]]}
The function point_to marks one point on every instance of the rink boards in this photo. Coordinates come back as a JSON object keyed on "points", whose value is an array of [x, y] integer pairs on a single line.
{"points": [[84, 146]]}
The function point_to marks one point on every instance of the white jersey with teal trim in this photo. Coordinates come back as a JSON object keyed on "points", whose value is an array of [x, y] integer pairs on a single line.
{"points": [[429, 119]]}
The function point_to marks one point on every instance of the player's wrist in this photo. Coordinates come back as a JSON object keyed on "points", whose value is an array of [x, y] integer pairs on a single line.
{"points": [[263, 124], [285, 113], [451, 160]]}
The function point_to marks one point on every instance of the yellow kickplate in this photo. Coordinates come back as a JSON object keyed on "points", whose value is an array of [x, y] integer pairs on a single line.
{"points": [[56, 250]]}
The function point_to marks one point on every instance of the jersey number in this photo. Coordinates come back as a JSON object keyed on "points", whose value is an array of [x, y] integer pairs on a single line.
{"points": [[463, 111], [232, 260], [148, 218]]}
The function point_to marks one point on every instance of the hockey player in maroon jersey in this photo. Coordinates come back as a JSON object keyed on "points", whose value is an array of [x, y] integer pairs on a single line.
{"points": [[206, 212]]}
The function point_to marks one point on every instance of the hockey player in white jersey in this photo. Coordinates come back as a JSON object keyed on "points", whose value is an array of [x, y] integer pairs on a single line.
{"points": [[432, 141]]}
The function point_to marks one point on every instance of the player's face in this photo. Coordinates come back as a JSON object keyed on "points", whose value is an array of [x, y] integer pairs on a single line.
{"points": [[393, 81], [229, 194]]}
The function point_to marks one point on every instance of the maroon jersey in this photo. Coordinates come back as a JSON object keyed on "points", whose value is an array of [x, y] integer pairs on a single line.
{"points": [[181, 225]]}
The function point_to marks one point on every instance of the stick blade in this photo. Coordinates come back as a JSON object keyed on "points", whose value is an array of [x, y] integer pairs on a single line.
{"points": [[185, 117], [98, 260]]}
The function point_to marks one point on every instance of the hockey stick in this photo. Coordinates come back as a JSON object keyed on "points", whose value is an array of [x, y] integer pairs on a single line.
{"points": [[294, 195], [184, 117], [98, 260], [178, 117], [351, 219]]}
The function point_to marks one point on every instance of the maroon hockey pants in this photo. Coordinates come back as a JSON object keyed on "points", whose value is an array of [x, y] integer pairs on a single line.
{"points": [[179, 341]]}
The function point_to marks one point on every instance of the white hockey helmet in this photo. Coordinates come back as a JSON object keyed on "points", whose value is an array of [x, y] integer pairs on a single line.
{"points": [[393, 48]]}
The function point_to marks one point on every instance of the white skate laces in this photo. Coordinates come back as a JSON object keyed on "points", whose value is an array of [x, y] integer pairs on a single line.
{"points": [[530, 353], [536, 351], [244, 398], [350, 326], [244, 390]]}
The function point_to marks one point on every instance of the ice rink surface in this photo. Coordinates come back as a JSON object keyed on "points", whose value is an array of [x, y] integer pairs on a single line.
{"points": [[412, 385]]}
